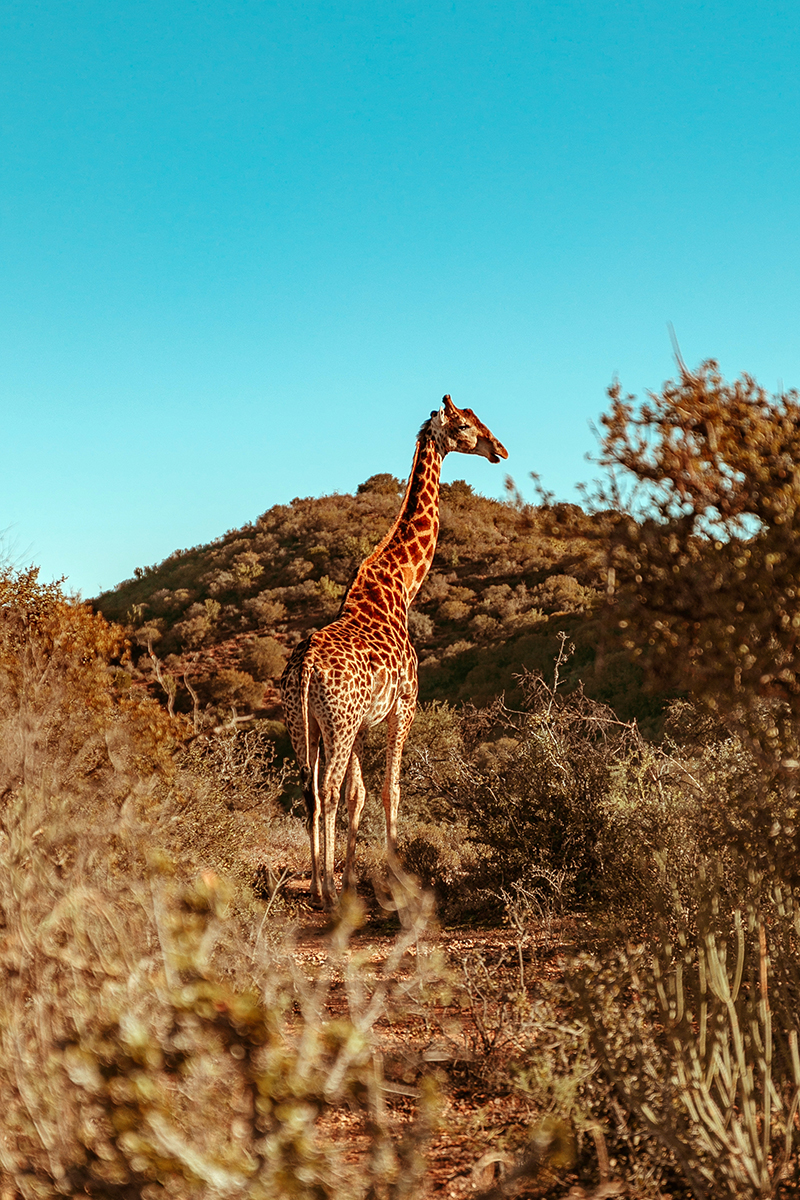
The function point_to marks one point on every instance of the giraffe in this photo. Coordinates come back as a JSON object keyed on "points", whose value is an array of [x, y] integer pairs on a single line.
{"points": [[362, 668]]}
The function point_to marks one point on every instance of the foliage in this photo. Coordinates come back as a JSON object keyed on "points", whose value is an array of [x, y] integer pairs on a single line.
{"points": [[232, 689], [704, 1048], [696, 1027], [134, 1064], [560, 790], [157, 1038], [383, 484], [67, 709], [265, 658], [707, 559], [505, 580]]}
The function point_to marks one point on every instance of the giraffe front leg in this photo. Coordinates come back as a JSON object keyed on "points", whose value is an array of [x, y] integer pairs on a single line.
{"points": [[399, 723], [356, 794]]}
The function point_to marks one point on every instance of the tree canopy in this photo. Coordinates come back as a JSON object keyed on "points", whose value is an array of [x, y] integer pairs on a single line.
{"points": [[705, 558]]}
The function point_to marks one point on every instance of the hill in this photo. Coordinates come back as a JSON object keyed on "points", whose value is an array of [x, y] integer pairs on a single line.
{"points": [[219, 620]]}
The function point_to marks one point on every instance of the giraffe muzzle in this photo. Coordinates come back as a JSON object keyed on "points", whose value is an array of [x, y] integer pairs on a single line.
{"points": [[494, 451]]}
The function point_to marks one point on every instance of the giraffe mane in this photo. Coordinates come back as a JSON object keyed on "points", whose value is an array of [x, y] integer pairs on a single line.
{"points": [[424, 434]]}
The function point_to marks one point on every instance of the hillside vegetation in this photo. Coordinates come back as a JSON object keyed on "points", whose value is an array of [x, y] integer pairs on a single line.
{"points": [[506, 581]]}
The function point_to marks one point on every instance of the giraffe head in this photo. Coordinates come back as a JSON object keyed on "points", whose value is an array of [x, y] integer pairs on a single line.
{"points": [[459, 429]]}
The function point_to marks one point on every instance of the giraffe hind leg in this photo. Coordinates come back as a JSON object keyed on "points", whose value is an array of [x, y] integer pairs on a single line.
{"points": [[356, 794], [337, 763], [310, 782]]}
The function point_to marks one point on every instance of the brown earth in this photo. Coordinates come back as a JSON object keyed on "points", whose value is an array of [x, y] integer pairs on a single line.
{"points": [[482, 1131]]}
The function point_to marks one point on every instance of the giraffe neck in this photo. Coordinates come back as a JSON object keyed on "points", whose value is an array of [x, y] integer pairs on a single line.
{"points": [[404, 556]]}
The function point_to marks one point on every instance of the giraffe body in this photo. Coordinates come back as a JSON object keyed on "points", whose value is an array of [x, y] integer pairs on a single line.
{"points": [[362, 669]]}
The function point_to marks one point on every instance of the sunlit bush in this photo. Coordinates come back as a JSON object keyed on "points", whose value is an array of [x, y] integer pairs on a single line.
{"points": [[156, 1038]]}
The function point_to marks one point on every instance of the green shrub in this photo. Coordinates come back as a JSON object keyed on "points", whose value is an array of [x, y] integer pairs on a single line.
{"points": [[265, 658], [420, 626], [229, 688], [265, 609]]}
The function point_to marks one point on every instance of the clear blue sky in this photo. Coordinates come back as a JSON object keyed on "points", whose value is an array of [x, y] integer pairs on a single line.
{"points": [[245, 247]]}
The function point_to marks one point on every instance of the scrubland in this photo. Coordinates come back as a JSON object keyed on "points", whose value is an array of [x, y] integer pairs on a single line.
{"points": [[581, 977]]}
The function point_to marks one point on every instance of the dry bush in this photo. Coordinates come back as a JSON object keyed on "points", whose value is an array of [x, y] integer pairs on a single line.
{"points": [[383, 484], [225, 796], [231, 689], [157, 1036], [443, 858], [563, 594], [695, 1022], [484, 626], [697, 1030], [67, 716], [147, 1052], [420, 626], [266, 610], [453, 610], [560, 786]]}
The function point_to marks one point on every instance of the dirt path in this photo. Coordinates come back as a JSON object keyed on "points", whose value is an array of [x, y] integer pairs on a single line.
{"points": [[478, 1122]]}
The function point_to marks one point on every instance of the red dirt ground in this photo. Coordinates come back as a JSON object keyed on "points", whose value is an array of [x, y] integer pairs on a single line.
{"points": [[465, 1158]]}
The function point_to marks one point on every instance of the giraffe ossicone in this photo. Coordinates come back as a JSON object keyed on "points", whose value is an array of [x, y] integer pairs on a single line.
{"points": [[362, 669]]}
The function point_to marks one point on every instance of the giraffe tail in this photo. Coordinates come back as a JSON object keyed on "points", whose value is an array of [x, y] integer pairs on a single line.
{"points": [[308, 770]]}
